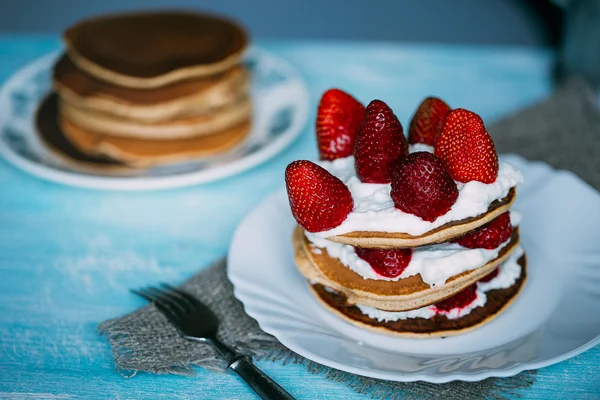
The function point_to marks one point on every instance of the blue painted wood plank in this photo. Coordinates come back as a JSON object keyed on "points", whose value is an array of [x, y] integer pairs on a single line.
{"points": [[68, 256]]}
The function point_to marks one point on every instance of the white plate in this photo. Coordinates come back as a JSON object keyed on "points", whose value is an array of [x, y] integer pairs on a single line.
{"points": [[280, 102], [554, 318]]}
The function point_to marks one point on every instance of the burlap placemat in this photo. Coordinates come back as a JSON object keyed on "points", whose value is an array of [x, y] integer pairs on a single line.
{"points": [[563, 130]]}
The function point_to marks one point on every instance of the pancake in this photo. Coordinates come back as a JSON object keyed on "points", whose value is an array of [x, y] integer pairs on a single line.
{"points": [[148, 50], [442, 234], [438, 326], [54, 140], [198, 96], [402, 295], [144, 153], [181, 128]]}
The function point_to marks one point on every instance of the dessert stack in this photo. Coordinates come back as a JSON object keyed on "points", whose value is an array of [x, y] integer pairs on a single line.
{"points": [[412, 237], [151, 88]]}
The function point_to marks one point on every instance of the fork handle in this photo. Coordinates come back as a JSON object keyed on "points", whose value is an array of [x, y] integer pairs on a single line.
{"points": [[264, 386]]}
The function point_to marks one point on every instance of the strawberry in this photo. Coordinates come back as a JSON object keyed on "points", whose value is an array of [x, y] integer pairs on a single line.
{"points": [[319, 200], [488, 236], [422, 186], [491, 275], [338, 119], [428, 121], [386, 262], [379, 143], [466, 149], [459, 300]]}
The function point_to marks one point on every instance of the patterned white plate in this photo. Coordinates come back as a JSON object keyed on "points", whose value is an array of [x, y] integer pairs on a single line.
{"points": [[554, 318], [280, 112]]}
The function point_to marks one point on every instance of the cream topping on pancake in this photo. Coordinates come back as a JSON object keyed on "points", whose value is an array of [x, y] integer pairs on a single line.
{"points": [[508, 274], [515, 218], [413, 148], [436, 264], [374, 209]]}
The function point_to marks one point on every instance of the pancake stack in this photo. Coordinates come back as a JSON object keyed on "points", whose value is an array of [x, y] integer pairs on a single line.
{"points": [[412, 239], [139, 90]]}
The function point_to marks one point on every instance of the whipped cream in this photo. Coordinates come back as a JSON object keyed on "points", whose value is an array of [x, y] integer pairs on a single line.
{"points": [[374, 208], [413, 148], [515, 218], [436, 264], [508, 274], [425, 312]]}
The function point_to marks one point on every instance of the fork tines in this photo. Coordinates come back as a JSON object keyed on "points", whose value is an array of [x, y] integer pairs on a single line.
{"points": [[173, 302]]}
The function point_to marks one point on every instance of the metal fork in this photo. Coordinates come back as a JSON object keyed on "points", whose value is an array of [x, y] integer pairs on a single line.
{"points": [[197, 322]]}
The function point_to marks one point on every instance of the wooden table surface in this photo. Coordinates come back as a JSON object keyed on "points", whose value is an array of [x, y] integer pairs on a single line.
{"points": [[68, 256]]}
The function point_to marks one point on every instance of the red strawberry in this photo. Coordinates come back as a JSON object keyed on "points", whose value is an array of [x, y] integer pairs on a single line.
{"points": [[421, 186], [379, 143], [466, 148], [459, 300], [338, 119], [491, 275], [428, 121], [488, 236], [386, 262], [319, 201]]}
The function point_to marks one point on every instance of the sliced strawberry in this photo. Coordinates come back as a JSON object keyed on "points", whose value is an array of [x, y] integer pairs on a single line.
{"points": [[379, 143], [428, 121], [386, 262], [459, 300], [466, 149], [421, 186], [488, 236], [319, 200], [338, 120], [491, 275]]}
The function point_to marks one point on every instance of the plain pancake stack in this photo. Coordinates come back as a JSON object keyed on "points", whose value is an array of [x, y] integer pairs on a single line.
{"points": [[139, 90], [388, 270]]}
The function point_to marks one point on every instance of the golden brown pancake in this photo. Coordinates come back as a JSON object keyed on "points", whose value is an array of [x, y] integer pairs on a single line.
{"points": [[402, 295], [444, 233], [497, 301], [144, 153], [181, 128], [52, 136], [144, 50], [196, 96]]}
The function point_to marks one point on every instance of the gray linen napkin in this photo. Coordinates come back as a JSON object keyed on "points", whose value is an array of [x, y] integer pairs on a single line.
{"points": [[563, 130]]}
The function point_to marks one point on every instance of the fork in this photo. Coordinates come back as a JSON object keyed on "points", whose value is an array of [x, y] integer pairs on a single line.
{"points": [[196, 322]]}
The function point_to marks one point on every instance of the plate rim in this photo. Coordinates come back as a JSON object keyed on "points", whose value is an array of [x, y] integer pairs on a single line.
{"points": [[144, 183], [394, 376]]}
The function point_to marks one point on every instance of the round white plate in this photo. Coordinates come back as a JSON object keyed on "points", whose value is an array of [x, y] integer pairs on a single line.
{"points": [[280, 102], [554, 318]]}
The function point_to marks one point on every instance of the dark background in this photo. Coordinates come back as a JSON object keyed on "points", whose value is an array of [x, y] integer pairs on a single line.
{"points": [[521, 22]]}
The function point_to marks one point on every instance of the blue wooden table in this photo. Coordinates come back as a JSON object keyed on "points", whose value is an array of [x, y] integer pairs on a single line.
{"points": [[68, 256]]}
